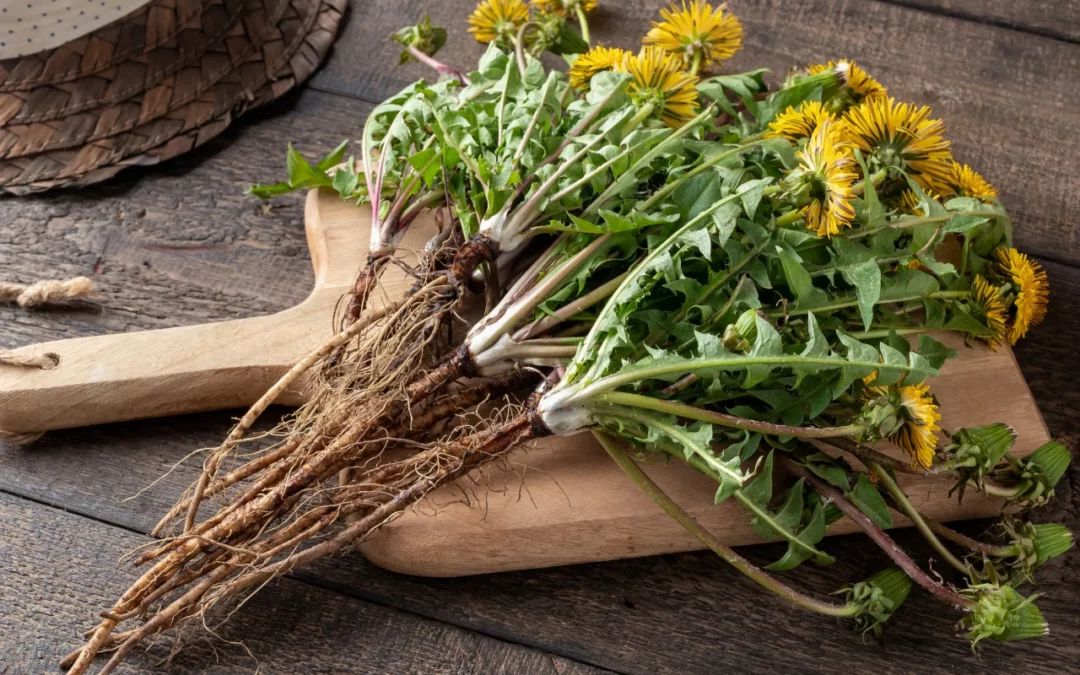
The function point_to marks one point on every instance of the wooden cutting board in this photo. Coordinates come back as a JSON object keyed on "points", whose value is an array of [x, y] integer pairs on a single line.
{"points": [[559, 502]]}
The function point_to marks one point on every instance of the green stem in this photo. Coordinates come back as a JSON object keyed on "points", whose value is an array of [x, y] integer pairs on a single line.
{"points": [[582, 23], [748, 143], [789, 218], [640, 116], [711, 288], [878, 535], [630, 376], [884, 332], [875, 180], [588, 177], [696, 63], [904, 223], [909, 510], [969, 543], [757, 575], [646, 159], [937, 295], [567, 311], [722, 419], [995, 490], [869, 456], [519, 46], [674, 431], [484, 335]]}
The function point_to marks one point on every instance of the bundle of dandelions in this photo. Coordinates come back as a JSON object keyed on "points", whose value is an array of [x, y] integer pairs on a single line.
{"points": [[696, 268]]}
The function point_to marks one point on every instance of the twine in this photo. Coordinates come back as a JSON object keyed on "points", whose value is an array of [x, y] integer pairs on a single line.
{"points": [[45, 292], [46, 361], [15, 438]]}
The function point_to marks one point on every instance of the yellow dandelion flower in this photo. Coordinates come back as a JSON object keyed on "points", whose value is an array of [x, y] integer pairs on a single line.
{"points": [[497, 20], [908, 202], [917, 436], [659, 80], [697, 33], [992, 306], [794, 124], [597, 59], [914, 416], [861, 84], [827, 165], [1031, 287], [563, 7], [903, 136], [966, 182]]}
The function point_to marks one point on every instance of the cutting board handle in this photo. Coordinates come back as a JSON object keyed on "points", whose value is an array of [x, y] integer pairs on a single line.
{"points": [[110, 378]]}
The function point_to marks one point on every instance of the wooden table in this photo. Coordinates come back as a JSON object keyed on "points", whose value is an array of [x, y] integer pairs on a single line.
{"points": [[181, 244]]}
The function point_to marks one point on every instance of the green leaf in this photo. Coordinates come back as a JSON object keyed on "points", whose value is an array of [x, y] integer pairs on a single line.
{"points": [[783, 523], [907, 285], [750, 194], [426, 165], [866, 278], [934, 352], [869, 208], [332, 158], [869, 500], [803, 546]]}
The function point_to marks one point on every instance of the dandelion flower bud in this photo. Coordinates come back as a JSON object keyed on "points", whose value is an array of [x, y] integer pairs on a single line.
{"points": [[1001, 614]]}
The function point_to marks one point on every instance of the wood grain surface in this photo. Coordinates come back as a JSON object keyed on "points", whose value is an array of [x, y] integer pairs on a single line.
{"points": [[180, 244]]}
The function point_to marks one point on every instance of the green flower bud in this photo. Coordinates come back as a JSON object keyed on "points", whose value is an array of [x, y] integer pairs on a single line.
{"points": [[425, 36], [882, 414], [877, 598], [1034, 477], [1001, 614], [739, 337], [974, 453], [1050, 541], [1029, 547], [830, 79], [546, 33]]}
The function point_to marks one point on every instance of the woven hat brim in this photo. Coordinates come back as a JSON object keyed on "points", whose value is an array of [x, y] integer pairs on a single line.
{"points": [[284, 43], [156, 23]]}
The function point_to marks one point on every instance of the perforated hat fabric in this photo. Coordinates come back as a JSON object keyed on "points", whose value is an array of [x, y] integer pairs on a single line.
{"points": [[28, 27], [164, 78]]}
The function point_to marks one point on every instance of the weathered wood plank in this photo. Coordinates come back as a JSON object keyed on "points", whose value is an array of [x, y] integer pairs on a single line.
{"points": [[179, 243], [1060, 19], [1007, 97], [59, 570]]}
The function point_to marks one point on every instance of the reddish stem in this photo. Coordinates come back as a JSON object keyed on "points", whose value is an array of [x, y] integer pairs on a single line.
{"points": [[891, 548]]}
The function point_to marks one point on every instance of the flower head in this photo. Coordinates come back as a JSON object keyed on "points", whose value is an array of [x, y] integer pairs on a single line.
{"points": [[1031, 289], [917, 436], [826, 170], [794, 124], [497, 20], [563, 7], [859, 82], [905, 414], [967, 183], [991, 306], [908, 202], [902, 136], [696, 32], [657, 78], [596, 60]]}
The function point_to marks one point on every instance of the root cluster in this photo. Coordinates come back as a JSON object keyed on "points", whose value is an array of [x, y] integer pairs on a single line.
{"points": [[388, 423]]}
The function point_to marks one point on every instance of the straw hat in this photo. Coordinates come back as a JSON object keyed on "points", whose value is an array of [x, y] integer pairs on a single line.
{"points": [[88, 87]]}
